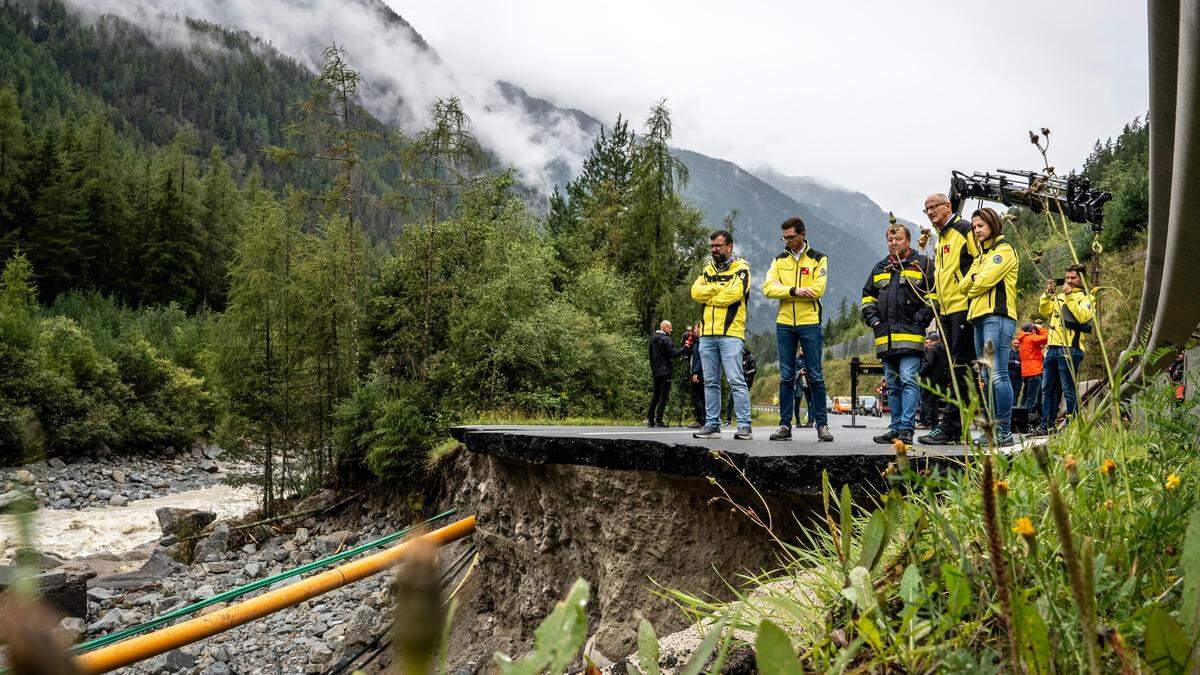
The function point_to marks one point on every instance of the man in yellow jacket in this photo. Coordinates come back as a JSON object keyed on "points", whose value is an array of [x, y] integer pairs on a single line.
{"points": [[797, 280], [723, 288], [1070, 310], [955, 253]]}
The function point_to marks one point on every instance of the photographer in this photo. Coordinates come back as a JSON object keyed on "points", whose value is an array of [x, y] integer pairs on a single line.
{"points": [[662, 365], [1070, 309]]}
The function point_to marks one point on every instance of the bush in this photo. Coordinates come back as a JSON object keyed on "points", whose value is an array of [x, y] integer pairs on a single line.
{"points": [[389, 429]]}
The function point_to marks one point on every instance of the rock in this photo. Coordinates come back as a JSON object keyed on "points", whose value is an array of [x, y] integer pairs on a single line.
{"points": [[211, 450], [159, 484], [320, 653], [12, 500], [209, 466], [24, 477], [66, 592], [73, 626], [217, 668], [220, 653], [328, 543], [102, 494], [118, 475], [216, 543], [173, 520], [361, 628], [203, 592], [104, 451], [253, 569], [118, 500], [115, 618], [56, 463], [249, 549], [100, 593], [223, 567], [301, 537]]}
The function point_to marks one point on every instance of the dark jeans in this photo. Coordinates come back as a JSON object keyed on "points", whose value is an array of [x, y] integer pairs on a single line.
{"points": [[1058, 380], [787, 338], [960, 338], [698, 401], [929, 406], [658, 398], [807, 417], [1031, 394]]}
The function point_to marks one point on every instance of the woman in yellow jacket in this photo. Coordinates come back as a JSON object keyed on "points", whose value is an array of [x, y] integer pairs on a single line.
{"points": [[991, 290]]}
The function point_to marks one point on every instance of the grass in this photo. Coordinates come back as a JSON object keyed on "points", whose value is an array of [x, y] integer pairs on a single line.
{"points": [[1076, 561]]}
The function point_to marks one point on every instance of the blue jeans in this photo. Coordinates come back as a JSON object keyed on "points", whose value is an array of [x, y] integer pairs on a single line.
{"points": [[997, 329], [901, 373], [1058, 380], [718, 352], [809, 338]]}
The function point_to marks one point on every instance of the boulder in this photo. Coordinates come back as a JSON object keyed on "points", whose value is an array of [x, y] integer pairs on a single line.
{"points": [[112, 620], [328, 543], [63, 591], [56, 463], [178, 521], [118, 475], [118, 500], [209, 466], [211, 450], [216, 543], [24, 477], [73, 626], [14, 500]]}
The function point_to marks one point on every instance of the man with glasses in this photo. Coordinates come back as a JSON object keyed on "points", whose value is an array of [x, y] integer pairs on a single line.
{"points": [[723, 288], [797, 280], [956, 251]]}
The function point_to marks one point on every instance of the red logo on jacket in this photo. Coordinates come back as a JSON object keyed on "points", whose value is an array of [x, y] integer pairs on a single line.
{"points": [[803, 270], [946, 248]]}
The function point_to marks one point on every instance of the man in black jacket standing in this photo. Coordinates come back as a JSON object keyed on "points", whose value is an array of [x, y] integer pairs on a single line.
{"points": [[896, 307], [662, 364], [935, 371]]}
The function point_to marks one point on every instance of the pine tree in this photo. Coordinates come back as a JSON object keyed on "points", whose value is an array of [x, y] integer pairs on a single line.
{"points": [[222, 209], [12, 159]]}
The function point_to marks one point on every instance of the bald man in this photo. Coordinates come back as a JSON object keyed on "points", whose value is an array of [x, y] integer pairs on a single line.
{"points": [[662, 364], [955, 252]]}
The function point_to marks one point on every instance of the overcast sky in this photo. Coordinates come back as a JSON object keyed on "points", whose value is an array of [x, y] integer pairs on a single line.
{"points": [[882, 97]]}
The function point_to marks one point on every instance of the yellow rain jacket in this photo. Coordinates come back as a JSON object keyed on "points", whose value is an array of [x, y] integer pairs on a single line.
{"points": [[990, 286], [811, 269], [956, 251], [1070, 317], [724, 292]]}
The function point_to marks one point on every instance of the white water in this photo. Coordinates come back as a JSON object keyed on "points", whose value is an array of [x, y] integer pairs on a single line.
{"points": [[117, 529]]}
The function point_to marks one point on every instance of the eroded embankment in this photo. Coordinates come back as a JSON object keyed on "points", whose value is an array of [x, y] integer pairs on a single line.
{"points": [[628, 532]]}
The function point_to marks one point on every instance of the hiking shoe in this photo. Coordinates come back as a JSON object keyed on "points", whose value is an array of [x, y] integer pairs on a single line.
{"points": [[783, 433], [708, 432], [1006, 441], [823, 434], [938, 437], [905, 436], [886, 438], [744, 433]]}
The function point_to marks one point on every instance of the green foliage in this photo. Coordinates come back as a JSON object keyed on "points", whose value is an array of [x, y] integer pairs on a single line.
{"points": [[919, 596]]}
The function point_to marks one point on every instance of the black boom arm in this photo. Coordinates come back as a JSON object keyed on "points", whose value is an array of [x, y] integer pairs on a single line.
{"points": [[1073, 195]]}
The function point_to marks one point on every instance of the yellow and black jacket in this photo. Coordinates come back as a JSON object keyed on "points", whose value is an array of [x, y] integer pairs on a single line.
{"points": [[724, 292], [810, 269], [895, 304], [956, 251], [1070, 317], [991, 284]]}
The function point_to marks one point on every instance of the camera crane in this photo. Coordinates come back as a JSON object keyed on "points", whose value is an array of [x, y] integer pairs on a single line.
{"points": [[1073, 197]]}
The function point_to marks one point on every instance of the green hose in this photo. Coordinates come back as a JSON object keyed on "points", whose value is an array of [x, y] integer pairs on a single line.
{"points": [[247, 588]]}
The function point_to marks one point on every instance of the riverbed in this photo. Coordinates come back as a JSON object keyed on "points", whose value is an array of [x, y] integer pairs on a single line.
{"points": [[69, 533]]}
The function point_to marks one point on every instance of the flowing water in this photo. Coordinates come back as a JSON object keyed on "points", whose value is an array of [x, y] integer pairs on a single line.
{"points": [[69, 533]]}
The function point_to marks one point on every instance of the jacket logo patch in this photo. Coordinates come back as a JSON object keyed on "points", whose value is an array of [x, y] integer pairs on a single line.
{"points": [[997, 259], [946, 248], [824, 272], [803, 270]]}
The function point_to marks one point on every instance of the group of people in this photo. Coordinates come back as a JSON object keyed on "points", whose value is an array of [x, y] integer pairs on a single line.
{"points": [[961, 303]]}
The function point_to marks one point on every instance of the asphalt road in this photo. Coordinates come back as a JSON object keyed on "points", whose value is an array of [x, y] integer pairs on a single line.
{"points": [[804, 441]]}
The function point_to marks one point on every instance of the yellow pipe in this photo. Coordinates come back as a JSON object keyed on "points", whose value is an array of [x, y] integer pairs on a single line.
{"points": [[165, 639]]}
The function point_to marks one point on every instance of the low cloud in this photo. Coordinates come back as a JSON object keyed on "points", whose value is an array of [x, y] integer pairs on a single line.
{"points": [[402, 76]]}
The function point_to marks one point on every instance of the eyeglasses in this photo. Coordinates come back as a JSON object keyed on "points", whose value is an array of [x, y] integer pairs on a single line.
{"points": [[790, 237], [717, 244], [933, 207]]}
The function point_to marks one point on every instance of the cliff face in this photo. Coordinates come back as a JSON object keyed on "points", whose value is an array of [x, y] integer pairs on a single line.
{"points": [[629, 533]]}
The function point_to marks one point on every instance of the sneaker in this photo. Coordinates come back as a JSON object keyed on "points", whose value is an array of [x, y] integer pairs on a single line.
{"points": [[823, 434], [744, 433], [1006, 441], [939, 437], [905, 436], [708, 432], [783, 433], [887, 437]]}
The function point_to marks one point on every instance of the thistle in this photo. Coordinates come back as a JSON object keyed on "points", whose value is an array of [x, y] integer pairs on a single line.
{"points": [[998, 564]]}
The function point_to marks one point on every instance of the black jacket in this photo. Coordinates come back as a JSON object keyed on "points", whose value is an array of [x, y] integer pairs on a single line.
{"points": [[663, 354], [935, 366], [895, 307]]}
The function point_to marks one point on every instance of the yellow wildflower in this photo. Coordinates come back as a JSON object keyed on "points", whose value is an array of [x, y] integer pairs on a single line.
{"points": [[1024, 527], [1072, 468], [1172, 482], [1108, 468], [1001, 487], [1108, 504]]}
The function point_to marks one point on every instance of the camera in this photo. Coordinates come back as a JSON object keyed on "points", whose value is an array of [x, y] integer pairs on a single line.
{"points": [[1060, 281]]}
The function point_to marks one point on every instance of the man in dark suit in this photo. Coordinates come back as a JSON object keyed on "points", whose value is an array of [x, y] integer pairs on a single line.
{"points": [[662, 364]]}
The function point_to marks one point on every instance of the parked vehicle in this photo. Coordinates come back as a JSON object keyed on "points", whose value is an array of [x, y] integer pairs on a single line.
{"points": [[841, 405], [868, 405]]}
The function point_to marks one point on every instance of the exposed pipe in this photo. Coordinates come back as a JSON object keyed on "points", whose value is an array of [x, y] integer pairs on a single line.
{"points": [[165, 639]]}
